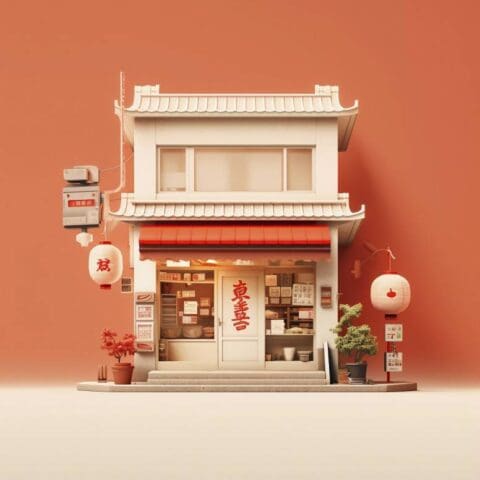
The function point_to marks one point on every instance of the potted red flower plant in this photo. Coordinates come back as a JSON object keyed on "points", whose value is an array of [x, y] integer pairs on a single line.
{"points": [[122, 371]]}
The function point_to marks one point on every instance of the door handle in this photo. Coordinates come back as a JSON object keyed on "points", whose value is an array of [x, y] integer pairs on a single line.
{"points": [[219, 321]]}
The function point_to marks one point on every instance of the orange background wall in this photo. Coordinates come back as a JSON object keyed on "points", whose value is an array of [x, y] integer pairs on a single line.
{"points": [[413, 158]]}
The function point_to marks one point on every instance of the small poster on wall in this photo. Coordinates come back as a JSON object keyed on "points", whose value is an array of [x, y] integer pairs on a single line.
{"points": [[144, 331], [393, 361], [188, 294], [144, 312], [275, 292], [393, 332], [270, 280], [285, 292], [204, 301], [190, 307], [190, 319], [303, 294]]}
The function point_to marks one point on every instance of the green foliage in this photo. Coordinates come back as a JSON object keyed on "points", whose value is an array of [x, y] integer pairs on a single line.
{"points": [[356, 340]]}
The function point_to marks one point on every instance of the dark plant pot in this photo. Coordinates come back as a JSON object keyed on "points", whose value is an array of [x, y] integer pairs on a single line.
{"points": [[357, 372], [122, 373]]}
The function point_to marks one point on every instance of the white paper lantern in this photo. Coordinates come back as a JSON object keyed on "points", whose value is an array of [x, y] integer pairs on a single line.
{"points": [[390, 293], [105, 264]]}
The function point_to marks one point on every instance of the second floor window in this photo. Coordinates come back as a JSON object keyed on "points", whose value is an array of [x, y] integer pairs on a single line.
{"points": [[238, 170], [235, 169], [171, 167]]}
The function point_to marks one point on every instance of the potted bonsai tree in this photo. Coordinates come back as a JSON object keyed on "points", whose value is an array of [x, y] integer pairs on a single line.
{"points": [[122, 371], [355, 342]]}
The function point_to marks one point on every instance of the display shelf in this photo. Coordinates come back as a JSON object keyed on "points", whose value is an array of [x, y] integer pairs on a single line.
{"points": [[168, 309], [191, 282], [290, 365], [286, 305], [186, 340], [290, 335]]}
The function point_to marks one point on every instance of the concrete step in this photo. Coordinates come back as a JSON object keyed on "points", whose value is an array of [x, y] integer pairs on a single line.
{"points": [[237, 388], [149, 387], [237, 381], [235, 374]]}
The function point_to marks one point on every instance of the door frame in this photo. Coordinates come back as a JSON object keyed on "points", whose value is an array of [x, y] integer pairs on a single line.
{"points": [[247, 364]]}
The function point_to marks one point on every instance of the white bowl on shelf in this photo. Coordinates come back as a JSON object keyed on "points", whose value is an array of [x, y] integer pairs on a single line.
{"points": [[171, 332], [192, 331], [304, 355]]}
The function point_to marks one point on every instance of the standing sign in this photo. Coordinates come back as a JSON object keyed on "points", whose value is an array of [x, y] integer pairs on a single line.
{"points": [[393, 360]]}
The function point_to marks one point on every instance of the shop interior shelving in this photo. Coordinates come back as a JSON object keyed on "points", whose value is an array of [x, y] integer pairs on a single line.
{"points": [[274, 343], [172, 305]]}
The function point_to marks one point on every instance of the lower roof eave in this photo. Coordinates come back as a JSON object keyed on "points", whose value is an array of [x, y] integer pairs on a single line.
{"points": [[347, 226]]}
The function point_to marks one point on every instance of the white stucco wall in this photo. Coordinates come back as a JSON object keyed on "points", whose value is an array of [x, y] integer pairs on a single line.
{"points": [[144, 280], [320, 134], [327, 318]]}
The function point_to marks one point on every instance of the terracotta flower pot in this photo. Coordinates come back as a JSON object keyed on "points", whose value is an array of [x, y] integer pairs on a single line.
{"points": [[343, 375], [122, 373]]}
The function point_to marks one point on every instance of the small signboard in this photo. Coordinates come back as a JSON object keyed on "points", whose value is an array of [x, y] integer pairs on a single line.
{"points": [[303, 294], [144, 297], [126, 285], [144, 311], [144, 346], [393, 361], [393, 332], [144, 331], [326, 297]]}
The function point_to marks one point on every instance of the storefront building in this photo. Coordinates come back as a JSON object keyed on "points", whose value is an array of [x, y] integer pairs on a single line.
{"points": [[235, 227]]}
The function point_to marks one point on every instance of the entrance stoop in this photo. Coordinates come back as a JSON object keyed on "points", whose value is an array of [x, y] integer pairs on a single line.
{"points": [[237, 381], [241, 381]]}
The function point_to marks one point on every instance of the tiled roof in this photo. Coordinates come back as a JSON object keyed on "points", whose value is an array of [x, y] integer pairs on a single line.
{"points": [[338, 212], [131, 210], [325, 100]]}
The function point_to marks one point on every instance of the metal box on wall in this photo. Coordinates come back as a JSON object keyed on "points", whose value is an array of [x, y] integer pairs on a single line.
{"points": [[81, 206]]}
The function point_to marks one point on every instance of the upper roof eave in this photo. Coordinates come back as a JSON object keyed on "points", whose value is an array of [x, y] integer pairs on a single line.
{"points": [[148, 102]]}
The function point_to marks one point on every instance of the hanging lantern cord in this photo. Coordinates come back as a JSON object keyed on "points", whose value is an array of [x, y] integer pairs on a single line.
{"points": [[390, 257]]}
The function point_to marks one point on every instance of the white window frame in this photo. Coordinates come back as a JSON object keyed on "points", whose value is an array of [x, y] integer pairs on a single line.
{"points": [[190, 171]]}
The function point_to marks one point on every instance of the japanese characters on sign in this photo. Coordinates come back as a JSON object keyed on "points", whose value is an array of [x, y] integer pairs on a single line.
{"points": [[393, 361], [393, 332], [240, 305]]}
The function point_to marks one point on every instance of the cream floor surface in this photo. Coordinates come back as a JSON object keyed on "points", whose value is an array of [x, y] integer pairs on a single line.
{"points": [[60, 433]]}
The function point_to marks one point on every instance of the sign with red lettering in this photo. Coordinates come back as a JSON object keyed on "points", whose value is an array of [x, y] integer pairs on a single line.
{"points": [[88, 202], [240, 305], [240, 315]]}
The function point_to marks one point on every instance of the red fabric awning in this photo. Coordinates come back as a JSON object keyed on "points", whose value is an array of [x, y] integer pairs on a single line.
{"points": [[298, 240]]}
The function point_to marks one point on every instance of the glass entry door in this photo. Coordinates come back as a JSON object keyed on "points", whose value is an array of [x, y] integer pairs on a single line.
{"points": [[241, 320]]}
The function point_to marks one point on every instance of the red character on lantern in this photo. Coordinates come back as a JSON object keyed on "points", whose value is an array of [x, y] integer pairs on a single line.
{"points": [[103, 265]]}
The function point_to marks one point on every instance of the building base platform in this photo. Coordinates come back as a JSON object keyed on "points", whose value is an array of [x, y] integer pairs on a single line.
{"points": [[237, 381]]}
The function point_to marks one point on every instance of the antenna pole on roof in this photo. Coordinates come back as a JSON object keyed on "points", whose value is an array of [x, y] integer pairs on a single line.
{"points": [[106, 195]]}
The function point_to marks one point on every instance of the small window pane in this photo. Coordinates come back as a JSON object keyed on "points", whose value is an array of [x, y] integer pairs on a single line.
{"points": [[238, 170], [171, 168], [299, 169]]}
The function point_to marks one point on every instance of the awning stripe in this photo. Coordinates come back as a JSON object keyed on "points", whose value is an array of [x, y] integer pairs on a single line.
{"points": [[257, 235]]}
